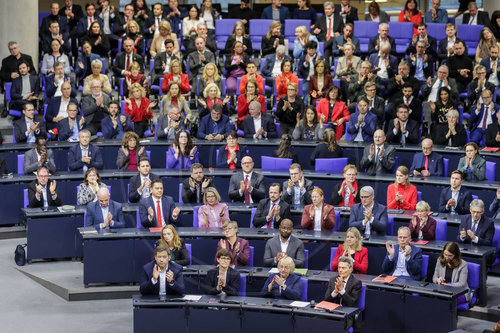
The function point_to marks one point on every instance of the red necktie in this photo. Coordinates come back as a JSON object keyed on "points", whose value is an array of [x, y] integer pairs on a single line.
{"points": [[485, 118], [91, 21], [407, 101], [426, 166], [329, 29], [158, 214], [247, 193], [128, 62], [270, 221]]}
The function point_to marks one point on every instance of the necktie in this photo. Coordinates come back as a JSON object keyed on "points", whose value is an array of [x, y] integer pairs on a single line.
{"points": [[426, 166], [485, 118], [378, 152], [128, 62], [158, 214], [403, 137], [247, 193], [158, 22], [270, 221], [474, 227], [329, 29], [91, 21], [407, 101], [440, 84]]}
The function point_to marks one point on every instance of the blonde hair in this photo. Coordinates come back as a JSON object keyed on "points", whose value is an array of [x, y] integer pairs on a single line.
{"points": [[134, 65], [357, 235], [136, 86], [166, 25], [274, 24], [305, 32], [176, 240], [132, 22], [348, 167], [287, 261], [211, 190], [238, 23], [423, 205], [216, 72], [175, 61], [404, 170], [167, 98], [318, 191], [210, 86]]}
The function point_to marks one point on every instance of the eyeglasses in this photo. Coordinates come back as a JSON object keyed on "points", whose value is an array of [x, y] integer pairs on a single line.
{"points": [[365, 196], [224, 258]]}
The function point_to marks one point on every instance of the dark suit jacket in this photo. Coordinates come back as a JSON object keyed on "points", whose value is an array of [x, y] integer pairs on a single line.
{"points": [[146, 32], [304, 199], [94, 215], [63, 26], [189, 196], [452, 85], [223, 126], [118, 24], [31, 161], [393, 63], [158, 69], [46, 40], [267, 123], [431, 49], [303, 66], [321, 23], [386, 162], [475, 119], [415, 109], [439, 131], [258, 184], [82, 27], [167, 205], [413, 265], [366, 131], [338, 200], [436, 167], [463, 202], [232, 282], [485, 230], [223, 154], [482, 18], [260, 218], [50, 87], [495, 207], [80, 72], [3, 170], [372, 43], [114, 133], [190, 45], [427, 70], [246, 42], [20, 129], [195, 68], [473, 95], [486, 62], [491, 133], [379, 224], [34, 203], [63, 130], [10, 65], [135, 182], [147, 286], [413, 129], [353, 14], [352, 292], [395, 90], [295, 250], [442, 48], [293, 288], [120, 63], [53, 107], [77, 12], [267, 14], [90, 108], [17, 87], [267, 69], [75, 157]]}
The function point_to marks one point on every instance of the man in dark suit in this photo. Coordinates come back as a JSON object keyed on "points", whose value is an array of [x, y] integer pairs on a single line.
{"points": [[376, 104], [284, 14], [495, 206], [83, 67], [460, 65], [427, 163], [492, 66], [297, 190], [104, 213], [346, 37], [83, 25], [162, 61], [175, 14], [139, 186], [69, 128], [275, 251], [445, 45], [10, 64], [52, 114], [73, 14], [270, 212], [158, 210], [368, 216], [53, 83], [455, 199], [327, 27], [383, 36], [54, 32], [42, 192], [476, 228], [407, 97], [344, 288], [272, 67], [384, 63], [223, 279], [403, 130], [411, 267], [122, 19], [430, 43], [357, 83], [475, 16], [258, 125], [201, 31], [124, 59], [198, 59], [193, 188], [214, 126], [115, 125], [39, 156], [429, 92], [25, 88], [482, 115], [45, 32], [152, 24], [95, 107], [84, 154], [348, 13], [477, 86], [379, 157], [248, 185], [26, 128], [493, 133], [162, 277]]}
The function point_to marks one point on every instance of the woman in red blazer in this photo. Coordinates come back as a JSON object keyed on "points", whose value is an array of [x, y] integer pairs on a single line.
{"points": [[285, 78], [402, 194], [139, 108], [352, 247], [422, 226], [319, 82], [251, 94], [332, 109], [318, 216], [177, 76]]}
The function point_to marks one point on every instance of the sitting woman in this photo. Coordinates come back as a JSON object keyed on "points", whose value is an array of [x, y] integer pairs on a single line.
{"points": [[56, 55], [402, 194], [239, 247], [450, 269], [284, 149], [230, 155], [251, 94], [320, 82], [289, 107], [347, 193], [133, 33], [352, 247], [444, 103], [328, 148], [411, 14], [285, 78], [375, 14], [99, 41], [302, 37], [115, 125], [158, 43], [486, 41], [134, 77], [130, 152], [223, 280], [235, 65], [176, 75], [284, 284], [210, 75], [181, 154], [211, 95], [209, 15], [452, 133], [272, 39], [472, 165], [190, 22], [96, 66], [175, 97], [87, 191], [139, 109], [332, 110], [349, 64], [239, 35], [309, 127], [213, 214], [176, 246], [318, 216], [423, 226]]}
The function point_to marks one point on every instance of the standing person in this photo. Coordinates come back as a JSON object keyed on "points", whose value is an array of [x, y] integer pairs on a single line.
{"points": [[95, 107], [288, 108], [139, 186], [309, 127], [284, 245], [436, 14], [272, 39], [158, 209], [327, 27], [379, 157], [455, 199], [247, 186], [139, 108], [231, 155], [476, 228], [297, 190], [319, 83], [104, 213], [332, 110], [276, 12], [411, 14], [401, 194], [115, 125], [422, 225], [344, 288], [304, 11], [284, 284], [84, 155], [235, 65]]}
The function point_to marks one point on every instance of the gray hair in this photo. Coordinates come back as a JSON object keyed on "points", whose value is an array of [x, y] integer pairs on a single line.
{"points": [[453, 113], [96, 62], [103, 190], [404, 63], [444, 67], [58, 63], [477, 203], [385, 45], [348, 260], [288, 261], [383, 25], [328, 3], [257, 104], [280, 49], [367, 189], [404, 229], [423, 205], [11, 43], [171, 108], [84, 131]]}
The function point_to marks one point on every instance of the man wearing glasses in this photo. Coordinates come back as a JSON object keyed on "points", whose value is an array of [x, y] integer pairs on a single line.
{"points": [[368, 216], [247, 185], [42, 192], [427, 163]]}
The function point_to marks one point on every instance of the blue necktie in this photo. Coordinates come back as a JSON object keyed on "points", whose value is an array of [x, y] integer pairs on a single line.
{"points": [[215, 128]]}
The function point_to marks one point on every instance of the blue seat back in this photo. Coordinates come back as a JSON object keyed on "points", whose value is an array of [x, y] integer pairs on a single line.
{"points": [[304, 282], [364, 30], [252, 251], [223, 29], [335, 165], [190, 251], [258, 29], [419, 196], [337, 221], [446, 164], [425, 266], [275, 163], [306, 258], [470, 34], [441, 226], [20, 164], [333, 251], [196, 223], [290, 26], [402, 32], [437, 30], [252, 215], [362, 296], [243, 281], [180, 193], [473, 279], [390, 226], [7, 86], [490, 170], [25, 198]]}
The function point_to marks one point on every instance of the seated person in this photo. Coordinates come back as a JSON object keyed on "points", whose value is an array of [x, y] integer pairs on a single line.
{"points": [[87, 191], [379, 157], [25, 88], [209, 75], [130, 153], [134, 77], [163, 61], [42, 192], [39, 156], [139, 108], [208, 40], [235, 67], [194, 187], [403, 130], [451, 270], [95, 107], [158, 210], [214, 126], [252, 75], [376, 41], [309, 127], [289, 106], [401, 194], [460, 65], [482, 115], [368, 216], [223, 280], [162, 276], [404, 89], [344, 288], [245, 98], [258, 125], [329, 148], [123, 60], [284, 149], [354, 249], [115, 125], [97, 75], [286, 77], [346, 193], [455, 199], [411, 266], [495, 206], [297, 190], [284, 284], [175, 245], [444, 103], [247, 186], [182, 154], [26, 128], [68, 129], [174, 97], [422, 225], [476, 228], [139, 186], [445, 46], [363, 123], [272, 67], [211, 96], [318, 216], [478, 85], [170, 122], [271, 211], [104, 213], [213, 214], [273, 38], [349, 64], [230, 155], [53, 83], [57, 107], [346, 38], [472, 165], [284, 245], [427, 163], [84, 155], [238, 247], [452, 133]]}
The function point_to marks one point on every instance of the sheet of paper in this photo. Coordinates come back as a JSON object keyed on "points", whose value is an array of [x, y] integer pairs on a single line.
{"points": [[192, 297], [155, 229], [300, 271], [274, 270], [299, 304]]}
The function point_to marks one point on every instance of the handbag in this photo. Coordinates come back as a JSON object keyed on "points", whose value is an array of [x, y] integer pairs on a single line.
{"points": [[20, 255]]}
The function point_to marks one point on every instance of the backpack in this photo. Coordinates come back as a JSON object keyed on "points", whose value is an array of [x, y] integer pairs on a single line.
{"points": [[20, 255]]}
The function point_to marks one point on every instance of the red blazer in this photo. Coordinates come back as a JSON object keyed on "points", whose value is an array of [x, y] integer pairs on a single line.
{"points": [[415, 19], [409, 197], [281, 88], [339, 111], [428, 231], [360, 260], [139, 113], [243, 106], [313, 86], [327, 221], [167, 78], [244, 81]]}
